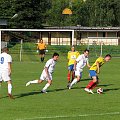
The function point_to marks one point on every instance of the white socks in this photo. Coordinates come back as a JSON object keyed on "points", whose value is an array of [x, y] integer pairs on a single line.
{"points": [[46, 86], [34, 81], [73, 82], [9, 88]]}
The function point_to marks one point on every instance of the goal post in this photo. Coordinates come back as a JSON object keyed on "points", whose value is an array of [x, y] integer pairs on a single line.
{"points": [[0, 41], [21, 47], [62, 40]]}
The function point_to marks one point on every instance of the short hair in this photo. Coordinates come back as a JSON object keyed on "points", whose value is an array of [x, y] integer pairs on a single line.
{"points": [[108, 55], [55, 54], [73, 46], [5, 49], [40, 40], [86, 50]]}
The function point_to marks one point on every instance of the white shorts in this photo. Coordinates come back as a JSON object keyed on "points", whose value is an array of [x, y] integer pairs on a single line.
{"points": [[44, 76], [78, 72], [4, 76]]}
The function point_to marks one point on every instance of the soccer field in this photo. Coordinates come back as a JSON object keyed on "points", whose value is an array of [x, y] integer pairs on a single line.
{"points": [[60, 103]]}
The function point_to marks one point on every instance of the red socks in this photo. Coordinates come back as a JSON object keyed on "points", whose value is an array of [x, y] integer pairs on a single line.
{"points": [[93, 86], [68, 77], [91, 83]]}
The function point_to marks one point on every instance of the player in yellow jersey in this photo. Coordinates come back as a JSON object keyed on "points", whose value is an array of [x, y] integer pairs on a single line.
{"points": [[72, 56], [94, 71], [41, 47]]}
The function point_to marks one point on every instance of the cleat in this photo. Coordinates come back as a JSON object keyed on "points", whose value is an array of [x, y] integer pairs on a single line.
{"points": [[87, 90], [43, 91], [90, 91], [10, 96], [69, 86], [28, 83]]}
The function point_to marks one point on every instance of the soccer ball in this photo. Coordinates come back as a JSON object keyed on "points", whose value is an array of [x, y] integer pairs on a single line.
{"points": [[99, 90]]}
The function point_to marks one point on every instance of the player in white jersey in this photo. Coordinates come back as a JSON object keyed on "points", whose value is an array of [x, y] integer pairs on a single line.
{"points": [[79, 64], [5, 69], [46, 73]]}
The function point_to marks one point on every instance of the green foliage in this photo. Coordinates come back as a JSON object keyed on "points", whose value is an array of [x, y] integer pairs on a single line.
{"points": [[37, 13], [6, 8], [30, 13], [86, 13]]}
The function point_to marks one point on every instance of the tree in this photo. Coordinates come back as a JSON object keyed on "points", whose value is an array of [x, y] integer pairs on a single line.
{"points": [[30, 13], [6, 8], [37, 13], [55, 16]]}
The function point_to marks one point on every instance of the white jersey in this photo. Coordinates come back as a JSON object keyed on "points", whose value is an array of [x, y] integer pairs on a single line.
{"points": [[81, 61], [4, 60], [50, 64]]}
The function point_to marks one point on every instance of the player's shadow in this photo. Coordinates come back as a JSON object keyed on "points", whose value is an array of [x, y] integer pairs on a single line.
{"points": [[38, 92], [88, 79], [27, 94], [57, 90], [111, 89], [105, 85]]}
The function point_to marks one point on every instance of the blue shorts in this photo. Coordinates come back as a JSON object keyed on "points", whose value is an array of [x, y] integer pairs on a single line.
{"points": [[71, 67], [92, 73]]}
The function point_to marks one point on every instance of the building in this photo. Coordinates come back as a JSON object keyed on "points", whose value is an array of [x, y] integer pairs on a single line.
{"points": [[83, 35]]}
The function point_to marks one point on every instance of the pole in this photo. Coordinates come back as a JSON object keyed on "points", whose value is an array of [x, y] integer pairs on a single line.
{"points": [[101, 49], [0, 41], [21, 50], [88, 45], [72, 37]]}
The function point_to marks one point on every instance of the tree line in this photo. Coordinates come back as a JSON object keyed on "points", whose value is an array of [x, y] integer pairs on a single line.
{"points": [[40, 13]]}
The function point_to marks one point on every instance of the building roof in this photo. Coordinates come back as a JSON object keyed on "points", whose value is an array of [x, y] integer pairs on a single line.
{"points": [[84, 29]]}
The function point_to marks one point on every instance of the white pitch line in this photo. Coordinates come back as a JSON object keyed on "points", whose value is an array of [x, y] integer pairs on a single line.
{"points": [[70, 116]]}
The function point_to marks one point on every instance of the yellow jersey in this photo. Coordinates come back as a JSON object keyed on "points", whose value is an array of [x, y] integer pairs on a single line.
{"points": [[100, 60], [41, 46], [72, 56]]}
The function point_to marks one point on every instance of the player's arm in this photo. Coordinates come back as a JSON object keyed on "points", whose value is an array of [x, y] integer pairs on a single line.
{"points": [[9, 64], [78, 53], [79, 58], [45, 46], [48, 63], [47, 73], [88, 65], [9, 68], [68, 58], [38, 46], [98, 67], [75, 63]]}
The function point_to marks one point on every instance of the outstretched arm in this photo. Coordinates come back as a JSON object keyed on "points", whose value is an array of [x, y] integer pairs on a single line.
{"points": [[98, 67]]}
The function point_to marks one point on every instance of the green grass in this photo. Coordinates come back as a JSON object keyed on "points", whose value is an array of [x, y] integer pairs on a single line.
{"points": [[74, 104]]}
